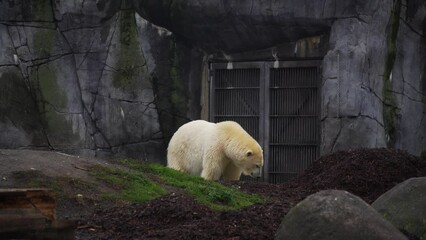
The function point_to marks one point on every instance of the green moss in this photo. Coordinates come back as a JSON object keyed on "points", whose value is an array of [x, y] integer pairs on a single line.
{"points": [[423, 154], [49, 87], [58, 127], [401, 211], [9, 87], [51, 97], [177, 11], [53, 184], [410, 227], [42, 9], [210, 193], [390, 108], [44, 41], [417, 229], [423, 236], [177, 96], [134, 187], [17, 104], [130, 60], [53, 100]]}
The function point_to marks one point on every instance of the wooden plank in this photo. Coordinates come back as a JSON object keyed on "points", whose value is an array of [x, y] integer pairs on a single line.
{"points": [[56, 230], [43, 200], [22, 223], [31, 214]]}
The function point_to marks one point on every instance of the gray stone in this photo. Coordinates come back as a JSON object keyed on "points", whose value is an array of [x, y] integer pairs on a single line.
{"points": [[180, 85], [123, 101], [350, 133], [84, 15], [45, 43], [59, 100], [22, 10], [20, 123], [351, 91], [405, 206], [7, 51], [76, 70], [334, 214], [235, 26], [408, 76]]}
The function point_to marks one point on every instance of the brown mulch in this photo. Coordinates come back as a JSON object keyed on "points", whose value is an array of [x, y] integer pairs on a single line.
{"points": [[365, 173]]}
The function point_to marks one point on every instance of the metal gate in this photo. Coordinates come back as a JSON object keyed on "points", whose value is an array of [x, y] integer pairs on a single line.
{"points": [[278, 105]]}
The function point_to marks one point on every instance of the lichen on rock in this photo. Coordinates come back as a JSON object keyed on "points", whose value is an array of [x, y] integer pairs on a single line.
{"points": [[129, 64], [390, 106]]}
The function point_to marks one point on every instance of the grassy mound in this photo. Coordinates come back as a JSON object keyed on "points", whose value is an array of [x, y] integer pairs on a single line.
{"points": [[134, 186], [131, 186]]}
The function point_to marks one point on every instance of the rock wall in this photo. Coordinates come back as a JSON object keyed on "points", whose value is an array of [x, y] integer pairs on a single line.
{"points": [[91, 77], [352, 112], [119, 77], [408, 79]]}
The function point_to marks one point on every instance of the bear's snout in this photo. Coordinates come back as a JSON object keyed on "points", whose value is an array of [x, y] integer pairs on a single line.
{"points": [[254, 172]]}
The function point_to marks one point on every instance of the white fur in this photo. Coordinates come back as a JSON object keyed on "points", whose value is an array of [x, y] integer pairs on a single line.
{"points": [[214, 150]]}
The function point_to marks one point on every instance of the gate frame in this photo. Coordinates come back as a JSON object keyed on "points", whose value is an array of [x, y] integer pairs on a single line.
{"points": [[264, 103]]}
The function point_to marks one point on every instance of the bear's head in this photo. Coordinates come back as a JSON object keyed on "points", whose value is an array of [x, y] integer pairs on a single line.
{"points": [[252, 161], [244, 151], [246, 154]]}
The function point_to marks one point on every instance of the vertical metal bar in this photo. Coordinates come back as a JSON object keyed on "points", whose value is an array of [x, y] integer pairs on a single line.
{"points": [[260, 110], [318, 109], [265, 125], [211, 92]]}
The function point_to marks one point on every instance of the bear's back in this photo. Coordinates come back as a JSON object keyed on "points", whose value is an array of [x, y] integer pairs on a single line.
{"points": [[233, 129], [196, 129]]}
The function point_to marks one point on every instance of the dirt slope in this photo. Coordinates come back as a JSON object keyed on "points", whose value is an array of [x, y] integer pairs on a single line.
{"points": [[366, 173]]}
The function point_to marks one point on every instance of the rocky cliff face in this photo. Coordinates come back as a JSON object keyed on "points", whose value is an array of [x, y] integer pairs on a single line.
{"points": [[107, 77], [87, 76], [408, 79]]}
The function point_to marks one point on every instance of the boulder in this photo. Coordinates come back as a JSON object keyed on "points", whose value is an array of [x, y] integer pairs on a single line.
{"points": [[335, 214], [405, 206]]}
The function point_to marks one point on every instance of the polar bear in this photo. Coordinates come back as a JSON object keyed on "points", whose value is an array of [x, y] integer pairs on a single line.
{"points": [[214, 150]]}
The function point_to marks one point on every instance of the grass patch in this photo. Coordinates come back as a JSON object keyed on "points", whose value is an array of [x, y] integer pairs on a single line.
{"points": [[53, 184], [213, 194], [134, 187]]}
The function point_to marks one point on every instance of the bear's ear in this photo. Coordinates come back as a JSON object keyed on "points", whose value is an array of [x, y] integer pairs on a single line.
{"points": [[249, 153]]}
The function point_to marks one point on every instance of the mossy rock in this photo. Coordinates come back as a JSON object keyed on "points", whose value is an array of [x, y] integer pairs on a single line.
{"points": [[44, 41], [54, 108], [423, 154], [405, 206], [129, 68], [40, 10], [334, 214], [390, 107], [18, 107]]}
